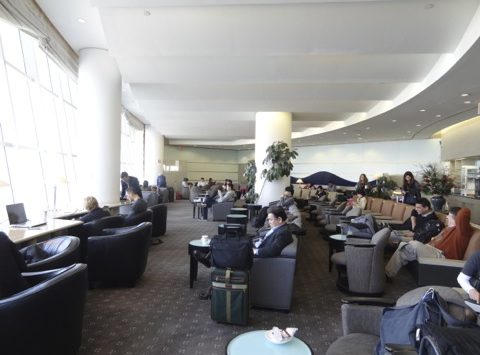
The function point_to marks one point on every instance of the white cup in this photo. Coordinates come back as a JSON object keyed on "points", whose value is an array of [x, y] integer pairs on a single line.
{"points": [[205, 239]]}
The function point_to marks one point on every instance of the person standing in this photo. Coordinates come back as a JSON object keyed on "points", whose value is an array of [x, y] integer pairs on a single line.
{"points": [[129, 181], [161, 181]]}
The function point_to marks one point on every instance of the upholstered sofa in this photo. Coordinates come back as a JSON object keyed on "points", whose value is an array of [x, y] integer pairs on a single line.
{"points": [[47, 317], [433, 271], [271, 279]]}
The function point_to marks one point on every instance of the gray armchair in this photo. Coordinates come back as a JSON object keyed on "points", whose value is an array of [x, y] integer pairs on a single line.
{"points": [[272, 279], [361, 322], [335, 219], [220, 210], [364, 263]]}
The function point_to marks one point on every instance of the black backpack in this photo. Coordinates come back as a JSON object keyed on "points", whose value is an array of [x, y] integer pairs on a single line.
{"points": [[232, 251]]}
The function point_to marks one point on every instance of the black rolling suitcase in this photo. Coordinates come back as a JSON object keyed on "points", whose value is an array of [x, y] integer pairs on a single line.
{"points": [[230, 301]]}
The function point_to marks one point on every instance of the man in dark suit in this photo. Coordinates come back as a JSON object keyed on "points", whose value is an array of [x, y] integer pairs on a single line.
{"points": [[129, 181], [277, 238]]}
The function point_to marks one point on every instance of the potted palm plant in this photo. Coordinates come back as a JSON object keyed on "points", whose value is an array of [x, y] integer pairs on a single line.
{"points": [[278, 161], [437, 183], [250, 174]]}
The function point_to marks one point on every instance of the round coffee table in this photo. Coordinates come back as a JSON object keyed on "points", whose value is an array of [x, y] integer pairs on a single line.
{"points": [[239, 210], [196, 244], [255, 343]]}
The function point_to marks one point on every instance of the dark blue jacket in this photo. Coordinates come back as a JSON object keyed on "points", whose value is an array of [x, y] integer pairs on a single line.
{"points": [[273, 245], [94, 214]]}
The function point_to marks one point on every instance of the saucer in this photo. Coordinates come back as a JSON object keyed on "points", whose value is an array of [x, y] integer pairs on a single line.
{"points": [[270, 338]]}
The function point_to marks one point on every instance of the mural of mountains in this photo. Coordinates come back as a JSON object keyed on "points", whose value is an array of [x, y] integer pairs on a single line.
{"points": [[323, 178]]}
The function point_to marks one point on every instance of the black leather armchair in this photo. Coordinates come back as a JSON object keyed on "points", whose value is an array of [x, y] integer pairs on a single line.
{"points": [[58, 252], [47, 317], [95, 228], [134, 219], [159, 221], [119, 257]]}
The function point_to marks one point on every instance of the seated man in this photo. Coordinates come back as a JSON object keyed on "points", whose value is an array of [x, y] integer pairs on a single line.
{"points": [[228, 195], [469, 273], [138, 204], [94, 211], [277, 238], [451, 243], [267, 246], [419, 217]]}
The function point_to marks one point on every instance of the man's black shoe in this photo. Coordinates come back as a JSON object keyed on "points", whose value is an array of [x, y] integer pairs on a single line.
{"points": [[202, 258]]}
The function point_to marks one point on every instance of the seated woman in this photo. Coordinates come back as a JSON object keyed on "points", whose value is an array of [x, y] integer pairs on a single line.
{"points": [[471, 271], [90, 203], [451, 243]]}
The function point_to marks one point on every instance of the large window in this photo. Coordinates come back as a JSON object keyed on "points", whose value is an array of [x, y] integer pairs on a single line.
{"points": [[132, 147], [38, 147]]}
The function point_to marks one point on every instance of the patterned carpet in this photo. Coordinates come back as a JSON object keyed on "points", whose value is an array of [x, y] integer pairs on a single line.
{"points": [[162, 315]]}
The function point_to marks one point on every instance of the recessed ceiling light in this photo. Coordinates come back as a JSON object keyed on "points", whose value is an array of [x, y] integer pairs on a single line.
{"points": [[358, 134], [146, 13], [394, 121], [429, 6], [368, 128], [81, 20], [409, 131], [467, 102], [360, 138], [419, 125], [439, 115], [344, 132], [422, 110], [465, 95]]}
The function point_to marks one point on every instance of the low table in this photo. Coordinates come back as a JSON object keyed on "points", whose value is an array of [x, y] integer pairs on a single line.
{"points": [[239, 210], [336, 242], [255, 343], [196, 244], [222, 228]]}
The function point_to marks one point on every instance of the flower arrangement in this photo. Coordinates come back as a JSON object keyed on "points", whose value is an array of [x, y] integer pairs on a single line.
{"points": [[435, 181], [383, 188]]}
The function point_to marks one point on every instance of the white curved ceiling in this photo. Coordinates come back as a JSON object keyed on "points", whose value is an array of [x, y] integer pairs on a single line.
{"points": [[199, 70]]}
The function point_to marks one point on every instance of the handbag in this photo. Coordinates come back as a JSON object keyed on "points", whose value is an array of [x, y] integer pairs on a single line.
{"points": [[234, 252]]}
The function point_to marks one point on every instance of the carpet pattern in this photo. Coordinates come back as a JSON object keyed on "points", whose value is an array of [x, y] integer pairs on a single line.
{"points": [[162, 315]]}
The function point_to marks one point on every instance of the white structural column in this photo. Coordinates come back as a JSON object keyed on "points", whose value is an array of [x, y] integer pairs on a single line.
{"points": [[99, 92], [270, 127], [154, 152]]}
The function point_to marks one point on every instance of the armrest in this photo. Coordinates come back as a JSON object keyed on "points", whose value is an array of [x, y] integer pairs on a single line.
{"points": [[370, 301], [359, 244], [351, 240], [400, 349], [347, 219], [442, 262], [361, 319], [36, 277]]}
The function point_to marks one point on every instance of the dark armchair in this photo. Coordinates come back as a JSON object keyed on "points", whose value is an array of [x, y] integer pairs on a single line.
{"points": [[95, 228], [53, 253], [133, 219], [119, 257], [159, 221], [47, 317], [364, 263], [272, 279]]}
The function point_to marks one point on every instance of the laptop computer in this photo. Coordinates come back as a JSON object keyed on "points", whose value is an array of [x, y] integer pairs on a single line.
{"points": [[18, 218]]}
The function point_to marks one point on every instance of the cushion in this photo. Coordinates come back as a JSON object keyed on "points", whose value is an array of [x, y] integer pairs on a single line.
{"points": [[11, 266], [34, 253], [354, 343], [339, 258]]}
